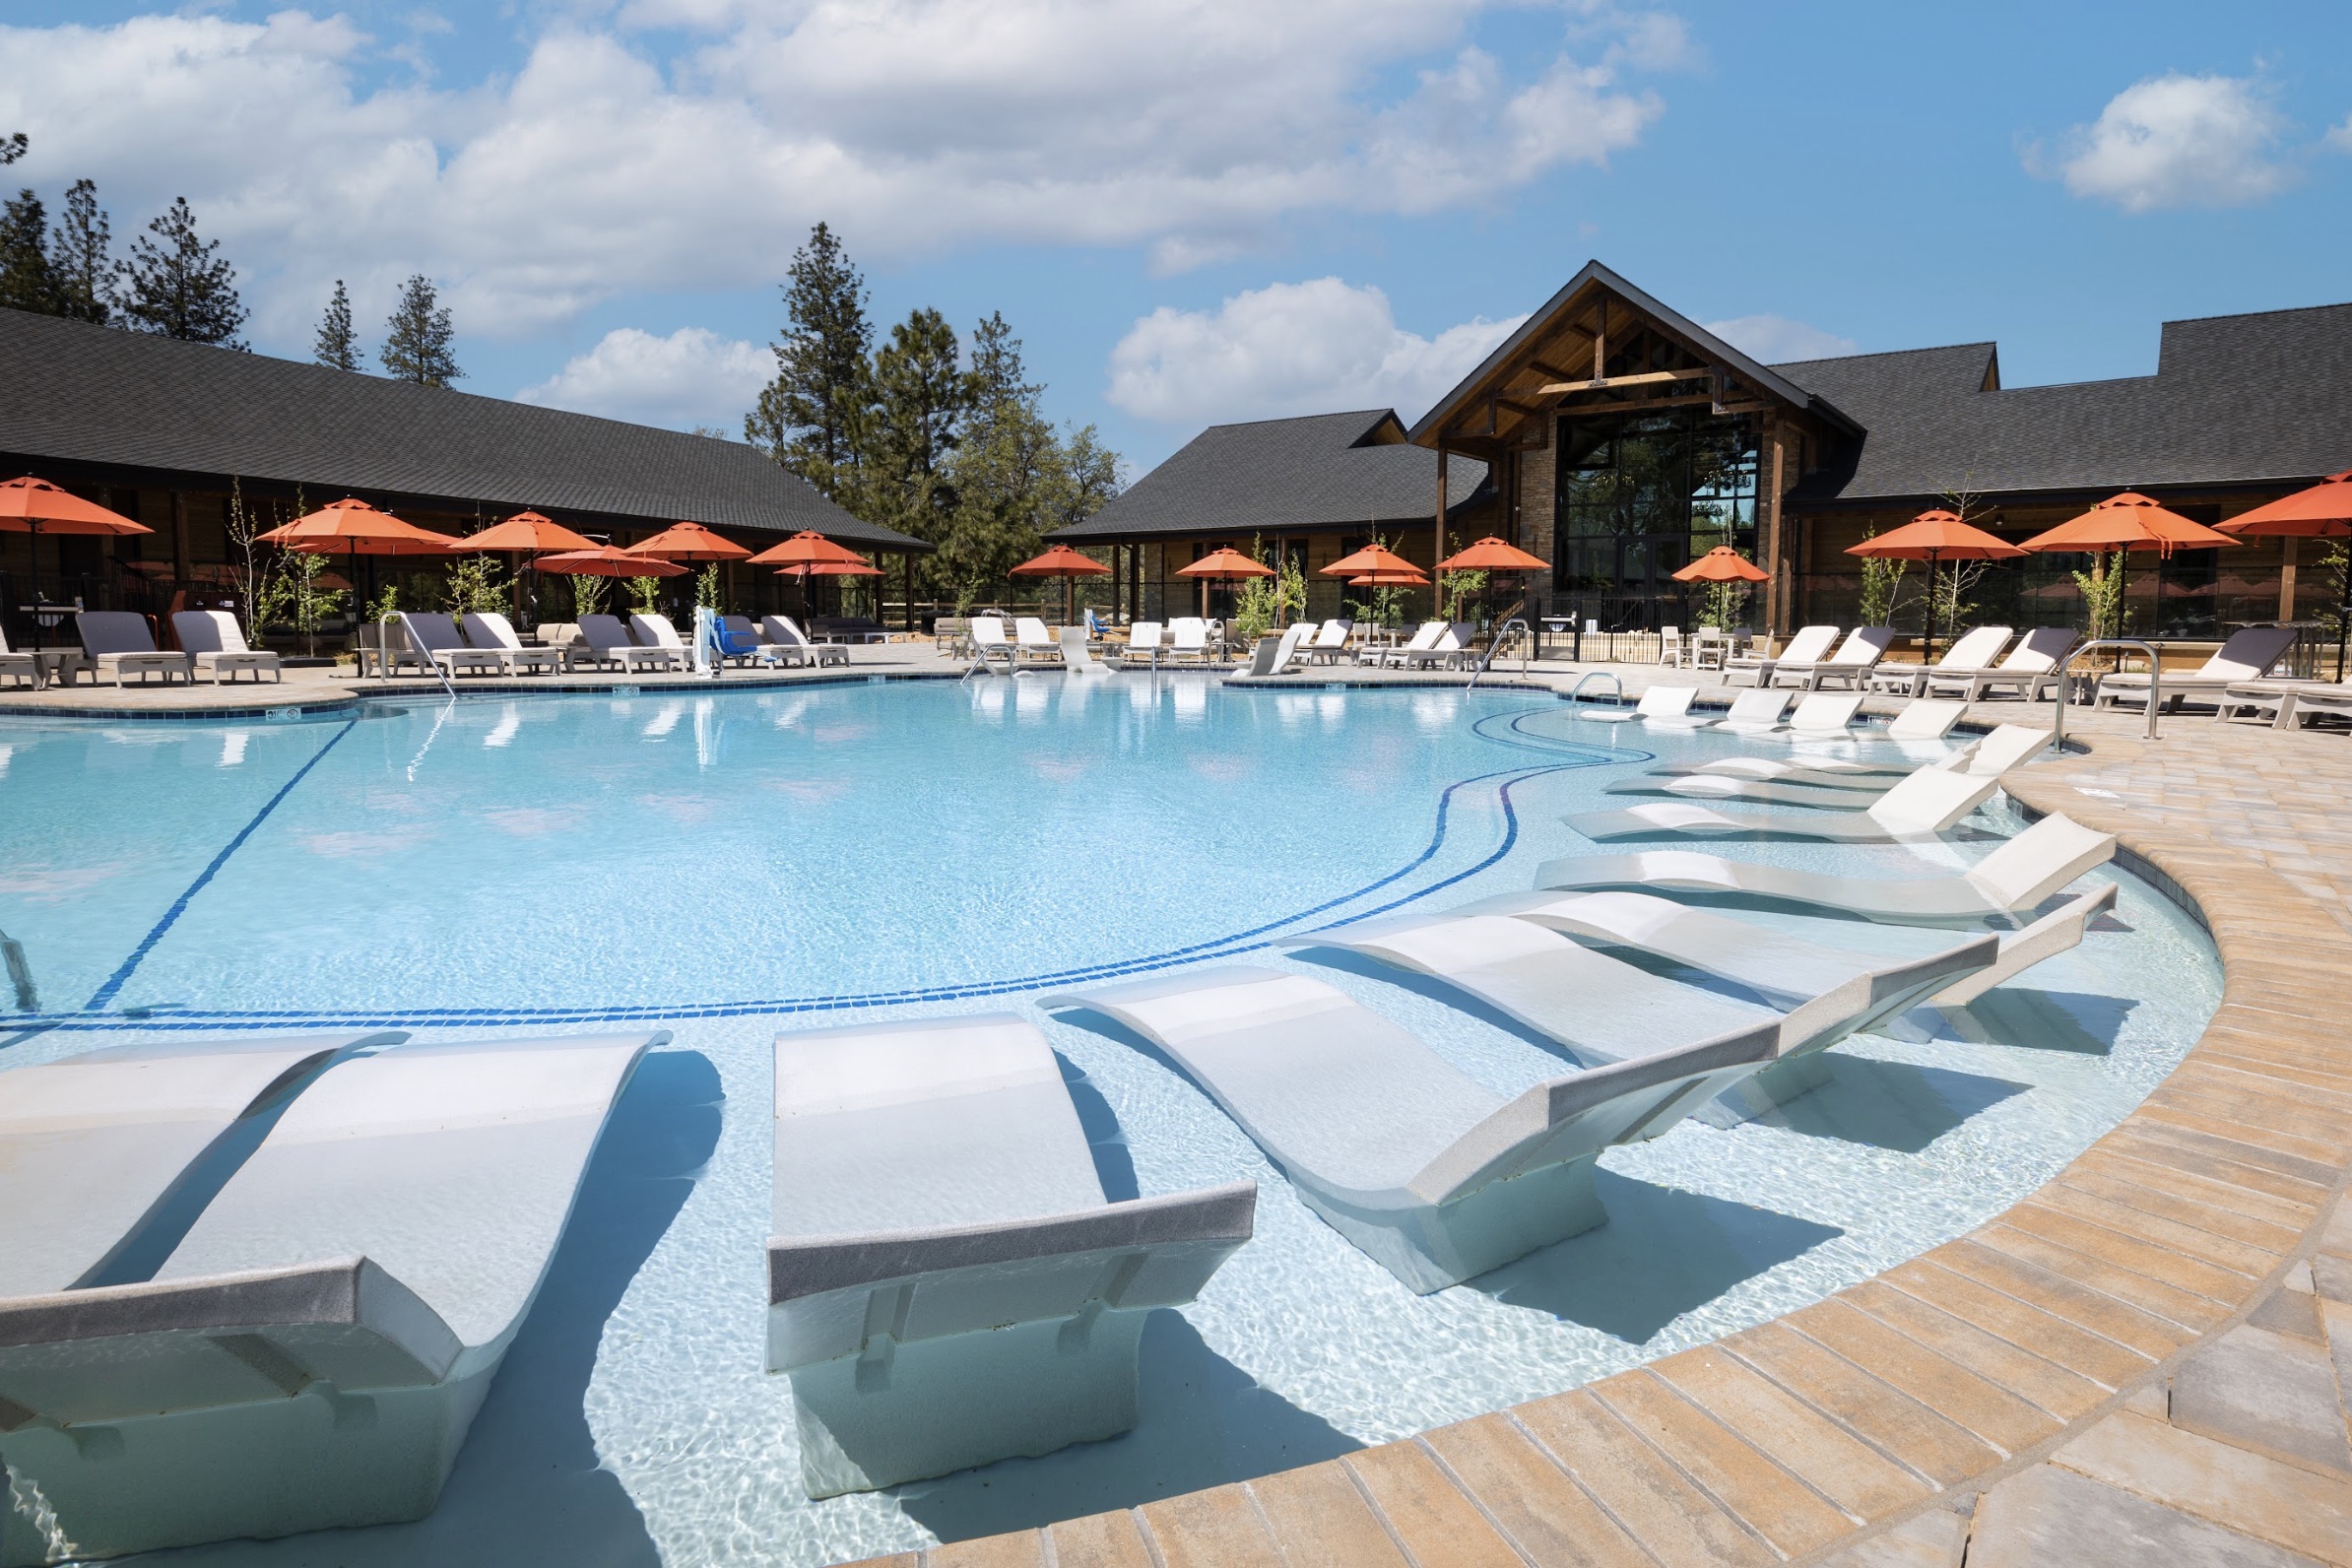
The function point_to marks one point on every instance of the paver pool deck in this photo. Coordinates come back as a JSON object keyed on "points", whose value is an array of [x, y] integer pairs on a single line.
{"points": [[2146, 1360]]}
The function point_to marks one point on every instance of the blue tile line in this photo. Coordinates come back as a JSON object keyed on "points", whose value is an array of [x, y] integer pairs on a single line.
{"points": [[1232, 945], [179, 906]]}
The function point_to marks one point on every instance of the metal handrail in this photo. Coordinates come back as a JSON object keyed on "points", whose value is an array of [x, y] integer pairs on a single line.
{"points": [[1609, 675], [383, 653], [2057, 736], [1494, 645]]}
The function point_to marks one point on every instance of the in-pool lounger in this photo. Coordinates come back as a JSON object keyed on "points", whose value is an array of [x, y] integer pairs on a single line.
{"points": [[1433, 1175], [1667, 704], [1920, 720], [2018, 875], [313, 1351], [1921, 806], [1607, 1011], [1756, 710], [1993, 755], [946, 1286]]}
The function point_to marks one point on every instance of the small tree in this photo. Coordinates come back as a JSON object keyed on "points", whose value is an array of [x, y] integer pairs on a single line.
{"points": [[2102, 590], [175, 284], [473, 583], [337, 345], [307, 604], [588, 595], [417, 348], [646, 594], [1725, 606], [706, 589], [253, 588], [1455, 589], [1881, 587]]}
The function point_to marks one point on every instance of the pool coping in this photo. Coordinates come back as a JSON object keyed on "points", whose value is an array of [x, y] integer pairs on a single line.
{"points": [[2027, 1365]]}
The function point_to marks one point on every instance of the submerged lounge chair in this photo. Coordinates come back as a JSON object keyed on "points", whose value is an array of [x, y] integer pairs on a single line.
{"points": [[2018, 875], [1511, 954], [1665, 703], [119, 643], [1919, 806], [2005, 748], [1756, 712], [216, 642], [1077, 657], [1823, 716], [313, 1351], [1435, 1176], [2247, 656], [946, 1286]]}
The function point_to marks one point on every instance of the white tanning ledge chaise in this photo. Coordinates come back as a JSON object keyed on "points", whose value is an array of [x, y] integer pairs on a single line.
{"points": [[314, 1349], [2018, 875], [1921, 720], [1663, 703], [946, 1286], [1991, 757], [1607, 1011], [1921, 806], [1435, 1176]]}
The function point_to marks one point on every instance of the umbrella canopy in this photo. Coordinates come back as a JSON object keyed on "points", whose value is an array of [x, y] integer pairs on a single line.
{"points": [[2129, 521], [1372, 558], [689, 542], [2323, 511], [528, 531], [605, 561], [1062, 562], [1491, 554], [1936, 536], [31, 506], [805, 549], [1224, 566], [1412, 577], [832, 568], [352, 527], [1723, 563]]}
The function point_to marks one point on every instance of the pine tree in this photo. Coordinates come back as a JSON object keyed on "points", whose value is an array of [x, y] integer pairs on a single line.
{"points": [[418, 346], [338, 345], [813, 417], [920, 395], [25, 282], [12, 148], [78, 265], [1006, 468], [178, 286]]}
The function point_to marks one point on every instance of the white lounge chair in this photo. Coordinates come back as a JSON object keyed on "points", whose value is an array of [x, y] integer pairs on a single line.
{"points": [[1751, 713], [492, 632], [18, 666], [1665, 703], [1823, 716], [1921, 806], [1077, 657], [1924, 719], [1515, 954], [784, 634], [1032, 643], [2030, 669], [1143, 650], [217, 643], [1424, 639], [436, 636], [1330, 641], [1435, 1176], [1850, 666], [2247, 656], [1451, 648], [2283, 704], [1969, 655], [92, 1146], [1273, 656], [946, 1285], [1990, 758], [313, 1351], [650, 631], [1188, 639], [608, 643], [2018, 875], [119, 643], [1808, 645]]}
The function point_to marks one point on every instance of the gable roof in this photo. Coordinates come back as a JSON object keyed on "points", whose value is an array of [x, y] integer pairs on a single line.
{"points": [[73, 393], [1317, 473], [2236, 400]]}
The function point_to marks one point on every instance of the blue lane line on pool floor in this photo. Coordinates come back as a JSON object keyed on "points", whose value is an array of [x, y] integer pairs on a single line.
{"points": [[179, 906], [1230, 946]]}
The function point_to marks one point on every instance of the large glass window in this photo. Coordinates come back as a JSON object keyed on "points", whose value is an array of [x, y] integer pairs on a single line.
{"points": [[1641, 494]]}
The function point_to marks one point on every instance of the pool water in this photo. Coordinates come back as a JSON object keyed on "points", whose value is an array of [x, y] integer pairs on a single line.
{"points": [[731, 864]]}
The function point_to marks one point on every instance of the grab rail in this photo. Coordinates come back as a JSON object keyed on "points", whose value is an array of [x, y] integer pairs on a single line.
{"points": [[1610, 676], [2057, 736], [1513, 621], [425, 656]]}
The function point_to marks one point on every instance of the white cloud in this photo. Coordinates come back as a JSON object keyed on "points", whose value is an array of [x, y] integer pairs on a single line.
{"points": [[1290, 348], [2179, 141], [1189, 127], [1777, 340], [690, 377], [2341, 137]]}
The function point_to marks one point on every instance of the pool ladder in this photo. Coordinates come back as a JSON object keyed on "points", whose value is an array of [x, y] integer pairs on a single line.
{"points": [[1512, 627], [2066, 683], [1610, 676]]}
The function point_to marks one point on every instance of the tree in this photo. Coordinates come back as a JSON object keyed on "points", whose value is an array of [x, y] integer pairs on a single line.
{"points": [[418, 346], [812, 418], [78, 265], [920, 396], [337, 345], [1007, 468], [12, 148], [25, 282], [177, 284]]}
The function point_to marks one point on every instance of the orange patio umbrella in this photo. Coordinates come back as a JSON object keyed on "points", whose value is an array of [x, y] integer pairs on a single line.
{"points": [[1492, 555], [351, 528], [1223, 564], [1723, 563], [606, 560], [805, 549], [2126, 522], [1068, 564], [2323, 511], [1374, 559], [527, 534], [1933, 536], [689, 542], [34, 507]]}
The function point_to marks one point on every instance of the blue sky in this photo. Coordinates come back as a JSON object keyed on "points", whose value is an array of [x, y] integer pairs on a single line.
{"points": [[1217, 210]]}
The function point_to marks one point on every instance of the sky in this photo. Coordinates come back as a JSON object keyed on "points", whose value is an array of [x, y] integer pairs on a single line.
{"points": [[1198, 211]]}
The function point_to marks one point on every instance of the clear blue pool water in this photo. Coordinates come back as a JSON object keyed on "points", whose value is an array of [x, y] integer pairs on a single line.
{"points": [[731, 864]]}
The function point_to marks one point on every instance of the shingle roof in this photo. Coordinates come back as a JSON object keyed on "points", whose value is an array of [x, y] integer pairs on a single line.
{"points": [[1320, 472], [2247, 399], [75, 393]]}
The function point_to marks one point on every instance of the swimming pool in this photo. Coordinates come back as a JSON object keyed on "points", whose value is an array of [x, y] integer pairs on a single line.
{"points": [[735, 863]]}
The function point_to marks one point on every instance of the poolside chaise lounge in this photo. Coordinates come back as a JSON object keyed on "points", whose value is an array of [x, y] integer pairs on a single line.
{"points": [[118, 644], [947, 1283], [2283, 704], [313, 1349], [1435, 1176], [1921, 806], [1514, 956], [2030, 669], [435, 636], [2247, 656], [1969, 655], [1144, 643], [649, 630], [608, 643], [2018, 875], [1188, 639], [18, 666], [1451, 648], [1273, 655], [1667, 704], [1329, 642], [1032, 643], [1077, 657], [1852, 665], [784, 634], [2005, 748], [1807, 645], [217, 643], [492, 632], [1424, 639]]}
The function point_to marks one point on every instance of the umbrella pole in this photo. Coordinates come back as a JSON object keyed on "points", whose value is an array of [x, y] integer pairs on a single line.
{"points": [[2343, 612]]}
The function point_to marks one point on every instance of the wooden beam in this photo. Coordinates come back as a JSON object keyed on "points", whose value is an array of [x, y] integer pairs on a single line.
{"points": [[1551, 370], [1645, 404], [1603, 383]]}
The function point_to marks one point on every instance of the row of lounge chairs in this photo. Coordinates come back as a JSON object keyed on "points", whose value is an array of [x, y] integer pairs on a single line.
{"points": [[118, 645], [484, 642]]}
